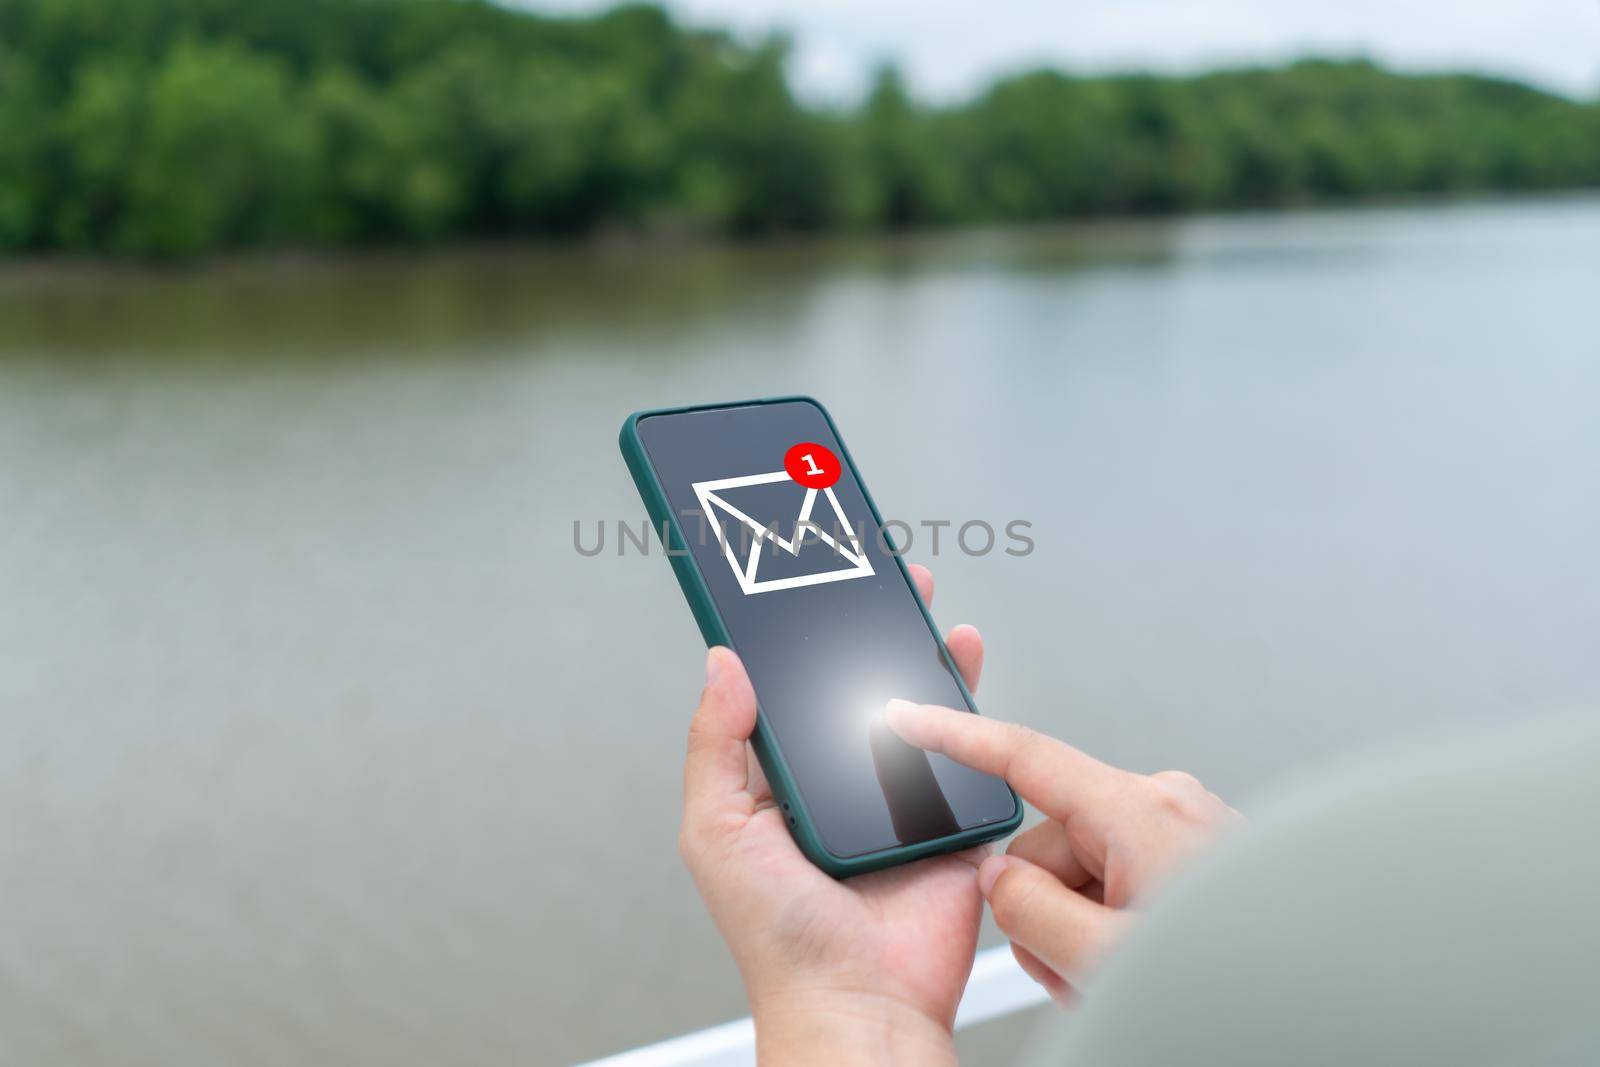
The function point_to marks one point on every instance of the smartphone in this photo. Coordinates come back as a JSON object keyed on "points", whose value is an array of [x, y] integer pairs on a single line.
{"points": [[784, 559]]}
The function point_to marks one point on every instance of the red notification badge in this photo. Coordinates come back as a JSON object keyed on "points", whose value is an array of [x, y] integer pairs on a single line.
{"points": [[812, 465]]}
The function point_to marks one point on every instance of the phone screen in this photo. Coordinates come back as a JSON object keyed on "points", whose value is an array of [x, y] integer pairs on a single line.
{"points": [[824, 619]]}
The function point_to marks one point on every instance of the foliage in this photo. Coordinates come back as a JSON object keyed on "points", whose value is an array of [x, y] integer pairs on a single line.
{"points": [[176, 127]]}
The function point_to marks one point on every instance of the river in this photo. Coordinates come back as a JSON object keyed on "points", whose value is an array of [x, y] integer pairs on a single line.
{"points": [[319, 742]]}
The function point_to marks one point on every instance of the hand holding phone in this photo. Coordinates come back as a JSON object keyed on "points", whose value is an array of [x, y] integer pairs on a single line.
{"points": [[869, 968], [872, 968]]}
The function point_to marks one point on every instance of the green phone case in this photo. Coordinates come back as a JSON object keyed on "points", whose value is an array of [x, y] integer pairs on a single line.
{"points": [[716, 633]]}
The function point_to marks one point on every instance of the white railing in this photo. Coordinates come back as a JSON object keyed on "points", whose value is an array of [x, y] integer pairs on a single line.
{"points": [[997, 987]]}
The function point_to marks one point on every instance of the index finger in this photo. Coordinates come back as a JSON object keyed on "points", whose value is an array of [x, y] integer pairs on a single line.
{"points": [[1049, 774]]}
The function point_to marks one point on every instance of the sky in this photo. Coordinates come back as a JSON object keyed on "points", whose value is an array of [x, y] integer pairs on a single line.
{"points": [[948, 49]]}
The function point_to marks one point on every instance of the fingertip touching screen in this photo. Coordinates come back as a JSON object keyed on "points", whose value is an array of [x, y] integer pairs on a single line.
{"points": [[823, 617]]}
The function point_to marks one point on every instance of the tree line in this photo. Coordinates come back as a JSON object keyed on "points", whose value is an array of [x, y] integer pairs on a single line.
{"points": [[178, 127]]}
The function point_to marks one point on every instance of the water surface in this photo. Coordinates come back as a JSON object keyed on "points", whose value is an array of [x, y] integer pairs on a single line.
{"points": [[321, 744]]}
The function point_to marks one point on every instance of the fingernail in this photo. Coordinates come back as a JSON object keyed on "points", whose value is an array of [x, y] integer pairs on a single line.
{"points": [[897, 710], [989, 873], [713, 666]]}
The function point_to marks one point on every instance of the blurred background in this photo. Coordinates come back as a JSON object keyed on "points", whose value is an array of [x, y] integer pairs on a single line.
{"points": [[319, 742]]}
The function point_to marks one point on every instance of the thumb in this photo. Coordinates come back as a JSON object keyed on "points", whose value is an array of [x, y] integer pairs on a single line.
{"points": [[1063, 928], [715, 775]]}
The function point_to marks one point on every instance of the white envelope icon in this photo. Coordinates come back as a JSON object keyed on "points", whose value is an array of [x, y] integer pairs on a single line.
{"points": [[748, 541]]}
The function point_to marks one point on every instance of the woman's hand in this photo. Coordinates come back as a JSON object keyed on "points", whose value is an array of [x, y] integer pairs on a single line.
{"points": [[864, 971], [1110, 837]]}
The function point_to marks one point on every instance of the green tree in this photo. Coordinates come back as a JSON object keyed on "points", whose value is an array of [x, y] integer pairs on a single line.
{"points": [[223, 156], [907, 175], [176, 127]]}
